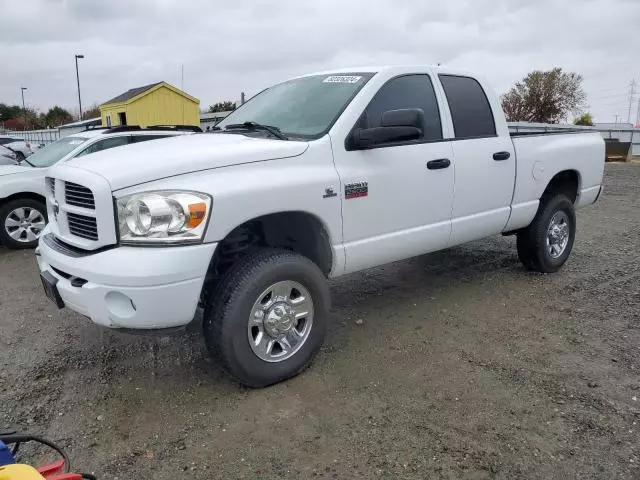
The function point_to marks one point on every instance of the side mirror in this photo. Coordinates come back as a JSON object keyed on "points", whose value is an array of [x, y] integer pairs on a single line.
{"points": [[405, 117], [396, 126]]}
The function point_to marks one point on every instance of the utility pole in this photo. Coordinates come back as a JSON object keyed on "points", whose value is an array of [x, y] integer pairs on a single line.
{"points": [[632, 92], [78, 80], [638, 115], [616, 115], [24, 110]]}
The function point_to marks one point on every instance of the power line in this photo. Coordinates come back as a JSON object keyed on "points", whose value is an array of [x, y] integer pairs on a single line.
{"points": [[605, 97], [621, 104]]}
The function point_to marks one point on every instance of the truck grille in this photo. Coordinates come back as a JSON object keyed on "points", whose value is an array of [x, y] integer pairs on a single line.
{"points": [[82, 226], [80, 208], [78, 196]]}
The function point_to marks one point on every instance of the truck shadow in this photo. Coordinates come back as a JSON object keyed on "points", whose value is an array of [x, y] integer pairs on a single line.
{"points": [[355, 296]]}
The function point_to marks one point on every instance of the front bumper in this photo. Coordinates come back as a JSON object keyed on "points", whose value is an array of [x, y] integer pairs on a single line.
{"points": [[130, 287]]}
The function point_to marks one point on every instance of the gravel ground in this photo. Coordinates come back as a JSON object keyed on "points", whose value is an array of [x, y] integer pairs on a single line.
{"points": [[454, 365]]}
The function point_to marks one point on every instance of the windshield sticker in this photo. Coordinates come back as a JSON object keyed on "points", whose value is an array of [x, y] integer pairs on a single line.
{"points": [[342, 79]]}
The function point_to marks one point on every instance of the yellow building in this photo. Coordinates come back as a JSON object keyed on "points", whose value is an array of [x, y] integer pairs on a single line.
{"points": [[155, 104]]}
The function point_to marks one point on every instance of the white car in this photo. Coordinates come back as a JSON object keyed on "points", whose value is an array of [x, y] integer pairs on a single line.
{"points": [[23, 213], [316, 177], [8, 156], [20, 147]]}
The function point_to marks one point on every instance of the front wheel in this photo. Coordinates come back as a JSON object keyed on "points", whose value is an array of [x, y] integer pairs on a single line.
{"points": [[21, 222], [267, 317], [544, 246]]}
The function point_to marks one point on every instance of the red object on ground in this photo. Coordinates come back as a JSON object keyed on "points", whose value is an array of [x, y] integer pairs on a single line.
{"points": [[51, 469], [52, 472]]}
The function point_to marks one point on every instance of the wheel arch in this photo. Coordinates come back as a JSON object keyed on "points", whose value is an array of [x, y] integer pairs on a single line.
{"points": [[300, 231], [19, 195], [565, 182]]}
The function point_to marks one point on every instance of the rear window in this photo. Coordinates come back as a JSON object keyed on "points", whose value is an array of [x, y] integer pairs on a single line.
{"points": [[470, 109]]}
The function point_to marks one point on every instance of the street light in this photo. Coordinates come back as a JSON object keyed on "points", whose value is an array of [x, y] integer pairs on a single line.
{"points": [[24, 110], [78, 79]]}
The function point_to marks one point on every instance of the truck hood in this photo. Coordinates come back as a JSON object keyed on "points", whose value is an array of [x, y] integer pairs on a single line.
{"points": [[155, 159], [11, 169]]}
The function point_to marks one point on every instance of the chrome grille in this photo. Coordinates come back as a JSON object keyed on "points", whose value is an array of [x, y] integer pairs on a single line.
{"points": [[81, 210], [51, 186], [82, 226], [78, 196]]}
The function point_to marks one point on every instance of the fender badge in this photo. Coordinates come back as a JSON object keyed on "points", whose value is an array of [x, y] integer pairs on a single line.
{"points": [[356, 190], [328, 193]]}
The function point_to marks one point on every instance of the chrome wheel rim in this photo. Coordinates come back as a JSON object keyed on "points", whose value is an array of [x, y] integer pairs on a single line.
{"points": [[280, 321], [558, 234], [24, 224]]}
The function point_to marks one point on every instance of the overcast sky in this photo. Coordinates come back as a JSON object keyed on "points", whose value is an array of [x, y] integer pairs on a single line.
{"points": [[232, 46]]}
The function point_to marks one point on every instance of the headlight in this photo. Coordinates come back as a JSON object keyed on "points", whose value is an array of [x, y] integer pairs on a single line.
{"points": [[163, 217]]}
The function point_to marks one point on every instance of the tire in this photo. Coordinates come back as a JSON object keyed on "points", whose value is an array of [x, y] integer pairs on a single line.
{"points": [[238, 311], [533, 250], [13, 235]]}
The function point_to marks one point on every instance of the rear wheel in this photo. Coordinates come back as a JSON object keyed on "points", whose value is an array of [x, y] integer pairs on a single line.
{"points": [[21, 222], [545, 245], [267, 317]]}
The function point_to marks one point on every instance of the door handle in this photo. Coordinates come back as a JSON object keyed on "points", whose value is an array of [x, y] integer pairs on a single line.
{"points": [[501, 156], [438, 164]]}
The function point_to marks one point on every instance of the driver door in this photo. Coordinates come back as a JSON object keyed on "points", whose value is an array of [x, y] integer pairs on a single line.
{"points": [[396, 198]]}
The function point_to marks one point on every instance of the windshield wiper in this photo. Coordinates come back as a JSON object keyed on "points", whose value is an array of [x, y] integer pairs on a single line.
{"points": [[275, 131]]}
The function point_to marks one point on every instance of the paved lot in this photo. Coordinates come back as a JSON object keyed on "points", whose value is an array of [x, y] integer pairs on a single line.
{"points": [[464, 366]]}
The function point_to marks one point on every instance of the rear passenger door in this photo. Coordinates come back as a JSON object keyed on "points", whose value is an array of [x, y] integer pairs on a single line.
{"points": [[485, 162]]}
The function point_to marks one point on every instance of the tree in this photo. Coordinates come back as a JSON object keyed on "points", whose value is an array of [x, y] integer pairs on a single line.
{"points": [[57, 116], [222, 106], [92, 112], [13, 124], [14, 118], [584, 119], [545, 97], [7, 112]]}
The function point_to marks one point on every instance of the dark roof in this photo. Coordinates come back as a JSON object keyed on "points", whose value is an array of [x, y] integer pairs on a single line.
{"points": [[123, 97]]}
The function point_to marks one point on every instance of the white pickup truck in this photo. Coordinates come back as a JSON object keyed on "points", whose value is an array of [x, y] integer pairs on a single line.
{"points": [[319, 176]]}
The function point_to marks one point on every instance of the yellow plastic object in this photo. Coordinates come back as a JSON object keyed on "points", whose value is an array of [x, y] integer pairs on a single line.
{"points": [[18, 471]]}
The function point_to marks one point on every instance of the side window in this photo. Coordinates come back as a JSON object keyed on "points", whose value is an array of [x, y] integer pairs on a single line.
{"points": [[470, 109], [4, 141], [105, 145], [408, 91], [144, 138]]}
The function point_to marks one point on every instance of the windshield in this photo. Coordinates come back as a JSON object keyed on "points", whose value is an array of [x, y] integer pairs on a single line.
{"points": [[50, 154], [303, 107]]}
